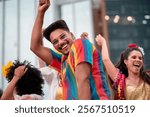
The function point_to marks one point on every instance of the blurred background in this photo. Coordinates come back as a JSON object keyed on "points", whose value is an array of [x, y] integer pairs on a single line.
{"points": [[121, 22]]}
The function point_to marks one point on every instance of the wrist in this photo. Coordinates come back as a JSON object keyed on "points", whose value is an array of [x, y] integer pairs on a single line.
{"points": [[17, 76], [40, 13], [103, 43]]}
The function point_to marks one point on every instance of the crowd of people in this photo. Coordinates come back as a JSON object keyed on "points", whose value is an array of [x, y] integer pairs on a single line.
{"points": [[74, 70]]}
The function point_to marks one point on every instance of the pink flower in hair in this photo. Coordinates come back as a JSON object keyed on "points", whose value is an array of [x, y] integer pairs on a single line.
{"points": [[133, 45], [136, 46]]}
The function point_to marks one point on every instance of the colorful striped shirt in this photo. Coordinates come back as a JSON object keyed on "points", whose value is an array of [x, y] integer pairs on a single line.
{"points": [[81, 51]]}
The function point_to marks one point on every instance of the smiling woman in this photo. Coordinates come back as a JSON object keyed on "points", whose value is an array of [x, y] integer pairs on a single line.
{"points": [[131, 82]]}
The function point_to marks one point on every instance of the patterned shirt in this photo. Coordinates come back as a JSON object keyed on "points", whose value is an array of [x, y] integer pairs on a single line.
{"points": [[119, 85], [81, 51]]}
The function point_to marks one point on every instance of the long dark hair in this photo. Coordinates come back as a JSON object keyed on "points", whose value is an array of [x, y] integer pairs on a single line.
{"points": [[30, 83], [123, 68]]}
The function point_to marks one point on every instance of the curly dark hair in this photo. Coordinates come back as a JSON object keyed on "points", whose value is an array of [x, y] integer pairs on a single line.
{"points": [[123, 68], [1, 92], [30, 83]]}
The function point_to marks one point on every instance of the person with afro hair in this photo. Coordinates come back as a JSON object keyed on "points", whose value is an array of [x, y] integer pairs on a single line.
{"points": [[1, 92], [25, 82]]}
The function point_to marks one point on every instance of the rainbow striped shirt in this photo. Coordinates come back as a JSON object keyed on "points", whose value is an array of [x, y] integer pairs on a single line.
{"points": [[81, 51]]}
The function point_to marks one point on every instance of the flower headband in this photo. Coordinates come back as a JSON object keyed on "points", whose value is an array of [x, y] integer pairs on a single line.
{"points": [[6, 68], [136, 46]]}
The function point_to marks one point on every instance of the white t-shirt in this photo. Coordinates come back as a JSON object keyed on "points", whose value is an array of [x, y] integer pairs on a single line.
{"points": [[50, 76], [28, 97]]}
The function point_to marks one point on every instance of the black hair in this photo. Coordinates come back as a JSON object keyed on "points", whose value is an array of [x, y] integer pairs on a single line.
{"points": [[30, 83], [123, 68], [1, 92], [59, 24]]}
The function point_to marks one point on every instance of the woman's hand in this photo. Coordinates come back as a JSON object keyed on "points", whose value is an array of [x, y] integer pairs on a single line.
{"points": [[100, 40], [20, 71], [84, 35]]}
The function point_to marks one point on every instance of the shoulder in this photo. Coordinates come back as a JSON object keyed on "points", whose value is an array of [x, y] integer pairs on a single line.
{"points": [[79, 40], [28, 97], [47, 71], [55, 53], [83, 43], [120, 78]]}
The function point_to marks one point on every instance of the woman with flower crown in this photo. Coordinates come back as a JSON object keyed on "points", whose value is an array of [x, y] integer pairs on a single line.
{"points": [[25, 82], [130, 81]]}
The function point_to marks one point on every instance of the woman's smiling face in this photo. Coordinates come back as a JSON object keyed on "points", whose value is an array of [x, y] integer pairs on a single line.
{"points": [[134, 62]]}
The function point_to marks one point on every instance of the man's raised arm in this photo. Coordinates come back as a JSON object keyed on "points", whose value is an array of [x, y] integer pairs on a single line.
{"points": [[37, 36]]}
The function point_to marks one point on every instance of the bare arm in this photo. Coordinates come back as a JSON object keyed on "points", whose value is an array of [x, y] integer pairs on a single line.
{"points": [[110, 68], [36, 37], [41, 63], [8, 93], [82, 74]]}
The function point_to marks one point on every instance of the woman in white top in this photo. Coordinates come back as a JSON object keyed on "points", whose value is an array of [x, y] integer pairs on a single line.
{"points": [[52, 79]]}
